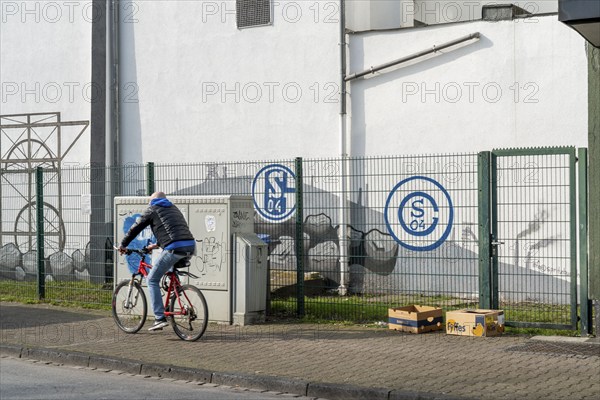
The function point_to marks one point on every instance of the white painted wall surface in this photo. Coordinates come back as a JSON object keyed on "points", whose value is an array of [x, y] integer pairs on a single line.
{"points": [[45, 65], [433, 12], [196, 88], [365, 15], [524, 83]]}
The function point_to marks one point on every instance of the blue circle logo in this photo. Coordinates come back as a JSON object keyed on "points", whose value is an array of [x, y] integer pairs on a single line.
{"points": [[419, 213], [274, 192]]}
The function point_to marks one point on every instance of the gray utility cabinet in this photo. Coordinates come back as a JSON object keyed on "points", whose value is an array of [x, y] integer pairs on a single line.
{"points": [[230, 260], [250, 277]]}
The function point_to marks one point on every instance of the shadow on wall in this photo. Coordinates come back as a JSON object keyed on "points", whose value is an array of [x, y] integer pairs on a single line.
{"points": [[378, 264], [130, 122]]}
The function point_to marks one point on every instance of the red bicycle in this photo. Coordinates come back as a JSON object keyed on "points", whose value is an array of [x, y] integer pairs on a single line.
{"points": [[185, 305]]}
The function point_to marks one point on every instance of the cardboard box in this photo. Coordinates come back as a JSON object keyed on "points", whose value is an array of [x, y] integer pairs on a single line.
{"points": [[475, 322], [415, 319]]}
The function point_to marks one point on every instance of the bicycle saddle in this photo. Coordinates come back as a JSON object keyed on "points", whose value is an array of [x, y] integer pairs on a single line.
{"points": [[183, 263]]}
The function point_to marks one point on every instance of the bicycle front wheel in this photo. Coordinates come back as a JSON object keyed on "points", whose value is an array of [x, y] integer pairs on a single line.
{"points": [[129, 306], [190, 313]]}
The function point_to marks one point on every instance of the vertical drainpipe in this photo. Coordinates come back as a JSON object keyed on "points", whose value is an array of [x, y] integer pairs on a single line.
{"points": [[114, 173], [98, 145], [115, 114], [343, 233]]}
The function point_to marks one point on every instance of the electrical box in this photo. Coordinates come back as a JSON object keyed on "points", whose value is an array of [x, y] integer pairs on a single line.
{"points": [[214, 221], [250, 294]]}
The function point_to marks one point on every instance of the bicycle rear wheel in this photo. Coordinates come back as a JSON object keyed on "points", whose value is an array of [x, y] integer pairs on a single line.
{"points": [[190, 316], [129, 307]]}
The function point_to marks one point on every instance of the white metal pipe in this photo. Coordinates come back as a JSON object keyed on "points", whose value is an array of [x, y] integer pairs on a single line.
{"points": [[345, 147], [411, 57]]}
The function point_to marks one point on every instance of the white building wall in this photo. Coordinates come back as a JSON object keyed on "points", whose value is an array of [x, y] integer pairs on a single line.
{"points": [[433, 12], [365, 15], [522, 84], [197, 89], [45, 65]]}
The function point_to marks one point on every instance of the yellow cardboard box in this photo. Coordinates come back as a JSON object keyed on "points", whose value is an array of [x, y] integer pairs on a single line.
{"points": [[415, 319], [475, 322]]}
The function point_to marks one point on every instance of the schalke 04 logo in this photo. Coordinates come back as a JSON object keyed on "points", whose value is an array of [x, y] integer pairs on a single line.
{"points": [[274, 192], [419, 213]]}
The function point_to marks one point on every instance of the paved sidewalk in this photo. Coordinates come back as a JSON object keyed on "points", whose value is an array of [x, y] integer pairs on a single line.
{"points": [[319, 361]]}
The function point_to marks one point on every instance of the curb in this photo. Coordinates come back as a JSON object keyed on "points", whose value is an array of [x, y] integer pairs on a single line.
{"points": [[264, 382], [179, 373], [329, 391], [336, 391], [77, 359], [11, 350]]}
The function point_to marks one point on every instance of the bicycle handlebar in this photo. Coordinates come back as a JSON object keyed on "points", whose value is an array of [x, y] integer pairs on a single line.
{"points": [[142, 252]]}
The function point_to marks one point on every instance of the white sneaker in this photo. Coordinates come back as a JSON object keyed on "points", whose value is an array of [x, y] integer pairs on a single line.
{"points": [[158, 325]]}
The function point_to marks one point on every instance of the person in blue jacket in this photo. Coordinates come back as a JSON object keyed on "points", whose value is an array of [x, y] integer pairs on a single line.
{"points": [[173, 235]]}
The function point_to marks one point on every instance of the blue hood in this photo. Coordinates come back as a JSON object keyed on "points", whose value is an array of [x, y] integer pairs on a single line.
{"points": [[161, 203]]}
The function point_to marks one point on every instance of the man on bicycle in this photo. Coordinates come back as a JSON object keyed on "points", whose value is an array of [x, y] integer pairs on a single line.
{"points": [[172, 235]]}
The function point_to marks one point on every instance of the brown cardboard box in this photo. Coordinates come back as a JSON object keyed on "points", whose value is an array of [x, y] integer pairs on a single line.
{"points": [[475, 322], [415, 319]]}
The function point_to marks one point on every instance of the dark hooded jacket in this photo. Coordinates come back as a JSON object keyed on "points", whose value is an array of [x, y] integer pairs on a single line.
{"points": [[165, 220]]}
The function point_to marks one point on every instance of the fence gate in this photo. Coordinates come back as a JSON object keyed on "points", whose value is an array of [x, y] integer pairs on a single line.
{"points": [[533, 236]]}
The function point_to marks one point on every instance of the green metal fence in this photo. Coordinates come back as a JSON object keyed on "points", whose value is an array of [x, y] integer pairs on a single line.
{"points": [[337, 215], [238, 178], [348, 237], [535, 225], [380, 211]]}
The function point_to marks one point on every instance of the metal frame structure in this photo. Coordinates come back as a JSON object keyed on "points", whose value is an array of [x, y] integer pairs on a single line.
{"points": [[27, 150]]}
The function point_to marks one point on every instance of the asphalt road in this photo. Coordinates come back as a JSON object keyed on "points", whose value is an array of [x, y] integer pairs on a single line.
{"points": [[26, 379]]}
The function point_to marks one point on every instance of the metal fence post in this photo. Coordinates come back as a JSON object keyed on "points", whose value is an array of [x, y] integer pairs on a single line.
{"points": [[39, 178], [585, 303], [150, 178], [493, 233], [573, 233], [299, 240], [483, 184]]}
